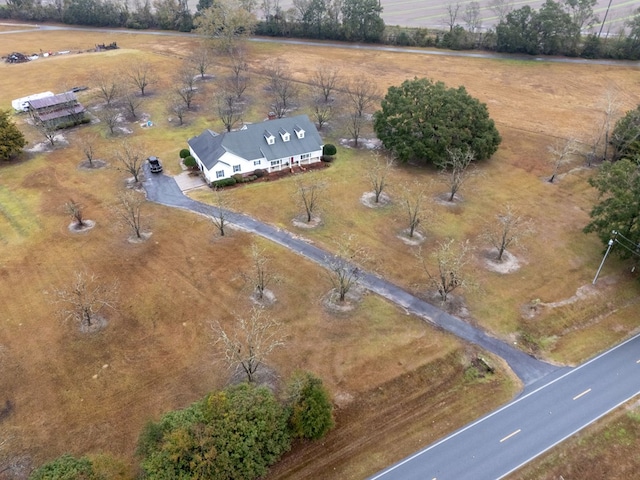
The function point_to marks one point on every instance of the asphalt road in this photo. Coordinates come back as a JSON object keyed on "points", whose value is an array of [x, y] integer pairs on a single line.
{"points": [[506, 439], [164, 190], [346, 45]]}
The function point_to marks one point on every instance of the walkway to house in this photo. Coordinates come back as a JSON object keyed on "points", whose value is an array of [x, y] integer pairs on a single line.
{"points": [[165, 190]]}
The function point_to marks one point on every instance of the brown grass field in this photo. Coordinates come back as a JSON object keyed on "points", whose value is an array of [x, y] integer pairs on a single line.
{"points": [[397, 383]]}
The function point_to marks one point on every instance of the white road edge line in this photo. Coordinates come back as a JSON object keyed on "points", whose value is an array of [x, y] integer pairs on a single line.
{"points": [[533, 457], [495, 412], [581, 394], [510, 435]]}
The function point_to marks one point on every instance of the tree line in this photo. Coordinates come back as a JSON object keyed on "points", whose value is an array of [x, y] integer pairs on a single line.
{"points": [[564, 27]]}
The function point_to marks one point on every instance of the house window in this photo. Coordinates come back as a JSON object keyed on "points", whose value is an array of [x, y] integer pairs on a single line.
{"points": [[275, 163], [220, 174], [256, 162], [284, 135], [299, 132], [236, 168], [304, 156]]}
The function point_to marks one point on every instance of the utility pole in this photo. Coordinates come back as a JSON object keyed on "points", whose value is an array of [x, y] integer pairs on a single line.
{"points": [[605, 18], [605, 257]]}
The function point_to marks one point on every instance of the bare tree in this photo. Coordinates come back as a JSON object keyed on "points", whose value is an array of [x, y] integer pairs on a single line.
{"points": [[108, 86], [239, 79], [450, 262], [201, 59], [355, 124], [602, 138], [85, 298], [412, 199], [361, 93], [501, 8], [130, 160], [260, 276], [471, 16], [322, 113], [185, 87], [222, 211], [455, 168], [310, 194], [74, 209], [561, 153], [132, 103], [176, 106], [282, 88], [140, 75], [509, 229], [251, 342], [344, 268], [129, 211], [110, 116], [88, 145], [229, 108], [452, 14], [47, 130], [378, 174], [325, 81]]}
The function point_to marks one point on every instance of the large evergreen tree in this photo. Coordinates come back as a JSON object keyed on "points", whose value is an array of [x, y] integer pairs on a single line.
{"points": [[421, 120], [11, 139], [618, 185], [625, 138]]}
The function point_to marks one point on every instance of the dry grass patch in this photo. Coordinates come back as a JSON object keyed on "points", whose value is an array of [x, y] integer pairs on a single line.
{"points": [[93, 393]]}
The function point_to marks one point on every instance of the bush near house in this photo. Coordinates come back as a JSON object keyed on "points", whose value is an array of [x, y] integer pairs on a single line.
{"points": [[184, 153], [189, 161], [225, 182]]}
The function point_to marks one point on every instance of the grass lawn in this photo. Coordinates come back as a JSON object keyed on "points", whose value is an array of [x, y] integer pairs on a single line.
{"points": [[389, 373]]}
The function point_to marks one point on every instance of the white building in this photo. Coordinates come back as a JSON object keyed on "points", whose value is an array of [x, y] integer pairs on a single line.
{"points": [[270, 146]]}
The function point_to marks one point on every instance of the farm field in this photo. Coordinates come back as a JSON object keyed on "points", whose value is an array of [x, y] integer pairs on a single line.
{"points": [[433, 13], [397, 383]]}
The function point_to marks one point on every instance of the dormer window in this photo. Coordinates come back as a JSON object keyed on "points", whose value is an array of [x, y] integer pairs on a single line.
{"points": [[284, 135], [299, 132], [268, 136]]}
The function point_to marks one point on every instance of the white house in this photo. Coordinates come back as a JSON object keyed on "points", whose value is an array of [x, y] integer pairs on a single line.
{"points": [[271, 145]]}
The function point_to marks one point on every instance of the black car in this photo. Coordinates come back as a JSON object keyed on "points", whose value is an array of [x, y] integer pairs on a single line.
{"points": [[154, 164]]}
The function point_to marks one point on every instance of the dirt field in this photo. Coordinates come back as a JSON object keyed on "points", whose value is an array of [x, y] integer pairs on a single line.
{"points": [[387, 371]]}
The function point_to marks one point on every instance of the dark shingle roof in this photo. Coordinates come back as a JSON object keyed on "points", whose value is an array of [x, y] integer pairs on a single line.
{"points": [[250, 143], [53, 100]]}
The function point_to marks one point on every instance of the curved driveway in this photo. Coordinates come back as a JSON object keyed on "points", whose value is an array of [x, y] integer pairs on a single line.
{"points": [[164, 190]]}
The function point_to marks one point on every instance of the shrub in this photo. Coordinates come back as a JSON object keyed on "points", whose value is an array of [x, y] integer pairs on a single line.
{"points": [[311, 411], [259, 173], [65, 466], [225, 182], [184, 153], [189, 161], [236, 433], [238, 178], [329, 149], [327, 158]]}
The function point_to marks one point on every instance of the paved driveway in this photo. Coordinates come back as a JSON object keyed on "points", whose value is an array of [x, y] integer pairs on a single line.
{"points": [[164, 190]]}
